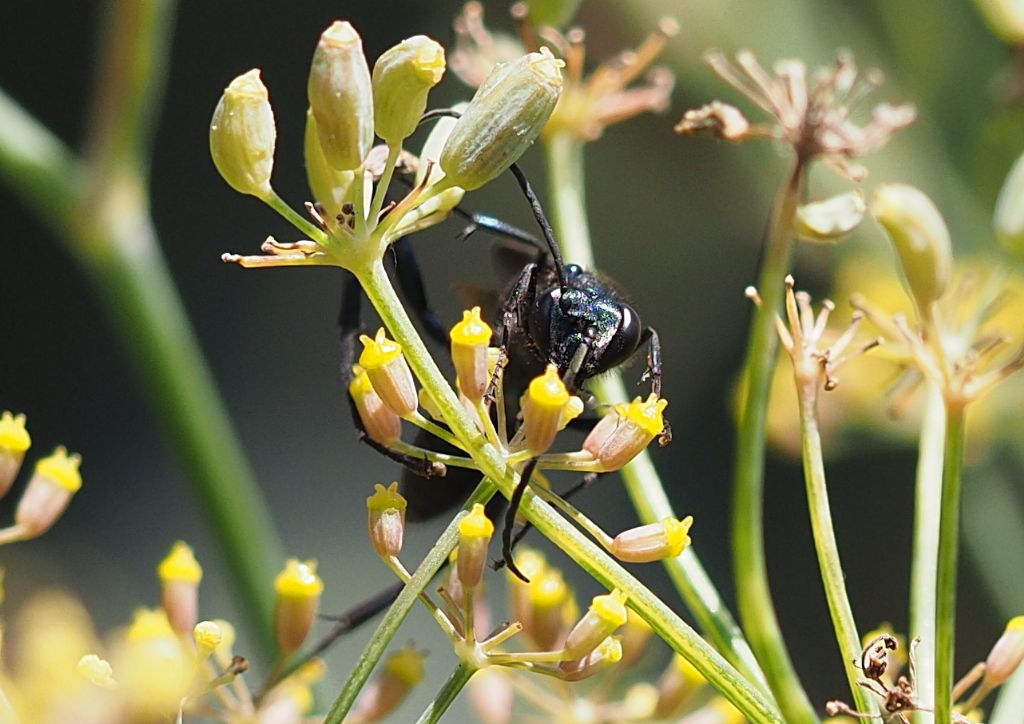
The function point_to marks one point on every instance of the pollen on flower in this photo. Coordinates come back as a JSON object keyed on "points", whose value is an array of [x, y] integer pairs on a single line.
{"points": [[472, 330], [13, 434], [385, 498], [476, 524], [378, 351], [298, 580]]}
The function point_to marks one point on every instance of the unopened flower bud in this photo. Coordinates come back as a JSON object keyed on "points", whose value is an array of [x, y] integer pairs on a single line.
{"points": [[242, 135], [553, 609], [97, 671], [653, 542], [553, 13], [180, 574], [491, 695], [1007, 653], [298, 589], [389, 373], [1009, 215], [605, 654], [920, 238], [505, 116], [830, 219], [402, 671], [381, 424], [341, 97], [625, 431], [330, 186], [475, 531], [605, 615], [55, 480], [676, 686], [14, 441], [470, 339], [547, 408], [402, 77], [386, 520], [208, 636]]}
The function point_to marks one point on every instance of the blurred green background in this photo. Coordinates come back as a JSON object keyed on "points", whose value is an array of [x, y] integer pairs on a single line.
{"points": [[676, 221]]}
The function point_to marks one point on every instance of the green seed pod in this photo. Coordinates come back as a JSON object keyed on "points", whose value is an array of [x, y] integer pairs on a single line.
{"points": [[341, 97], [920, 237], [330, 187], [242, 135], [505, 116], [402, 78], [1009, 216]]}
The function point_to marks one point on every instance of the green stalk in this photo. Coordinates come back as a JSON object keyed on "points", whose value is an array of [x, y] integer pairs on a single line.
{"points": [[825, 544], [455, 684], [927, 507], [949, 538], [388, 626], [753, 593], [643, 484], [99, 209], [746, 697]]}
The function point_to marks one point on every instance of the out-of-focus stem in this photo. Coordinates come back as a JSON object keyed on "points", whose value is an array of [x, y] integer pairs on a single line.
{"points": [[927, 506], [949, 540], [99, 208], [643, 484], [825, 545], [757, 612]]}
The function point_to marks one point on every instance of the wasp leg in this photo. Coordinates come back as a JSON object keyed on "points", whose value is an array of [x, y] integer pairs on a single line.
{"points": [[588, 480], [653, 372], [510, 518], [511, 317], [349, 328], [410, 281]]}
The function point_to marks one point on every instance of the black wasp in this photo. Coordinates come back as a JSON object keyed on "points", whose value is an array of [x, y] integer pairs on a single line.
{"points": [[552, 313]]}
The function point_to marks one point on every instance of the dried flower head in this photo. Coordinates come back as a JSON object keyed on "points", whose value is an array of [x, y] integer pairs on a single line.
{"points": [[813, 115]]}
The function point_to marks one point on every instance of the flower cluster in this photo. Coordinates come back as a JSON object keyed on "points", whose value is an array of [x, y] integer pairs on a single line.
{"points": [[348, 106], [54, 481]]}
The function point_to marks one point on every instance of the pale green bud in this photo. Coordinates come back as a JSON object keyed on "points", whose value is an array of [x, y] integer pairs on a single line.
{"points": [[920, 237], [330, 187], [830, 219], [555, 13], [505, 116], [242, 135], [1005, 18], [1009, 216], [341, 97], [402, 77]]}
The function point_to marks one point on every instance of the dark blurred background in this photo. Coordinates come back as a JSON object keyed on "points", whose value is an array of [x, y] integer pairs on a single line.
{"points": [[676, 221]]}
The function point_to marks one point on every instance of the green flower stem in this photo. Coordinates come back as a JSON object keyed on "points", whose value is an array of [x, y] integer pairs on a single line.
{"points": [[755, 601], [455, 684], [825, 544], [568, 189], [394, 150], [565, 168], [99, 210], [927, 507], [291, 216], [745, 696], [388, 626], [949, 539]]}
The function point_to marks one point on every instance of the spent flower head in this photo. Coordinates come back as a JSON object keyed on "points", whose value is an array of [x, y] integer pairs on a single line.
{"points": [[810, 114]]}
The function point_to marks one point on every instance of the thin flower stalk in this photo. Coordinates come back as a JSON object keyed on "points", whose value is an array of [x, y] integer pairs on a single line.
{"points": [[813, 369], [927, 503], [449, 691], [565, 163], [948, 552]]}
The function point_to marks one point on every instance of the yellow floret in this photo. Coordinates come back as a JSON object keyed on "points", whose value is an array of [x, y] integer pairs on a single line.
{"points": [[406, 665], [62, 469], [385, 498], [646, 414], [180, 565], [610, 607], [472, 331], [548, 390], [299, 580], [476, 524], [677, 534], [378, 351], [13, 434]]}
